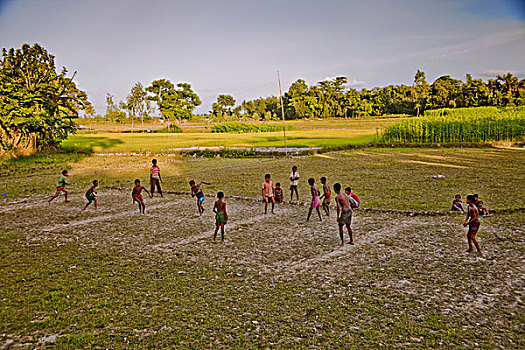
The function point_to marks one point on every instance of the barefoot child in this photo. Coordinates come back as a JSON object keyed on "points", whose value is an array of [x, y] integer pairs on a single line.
{"points": [[91, 194], [316, 201], [327, 194], [294, 182], [267, 193], [155, 178], [344, 213], [61, 187], [278, 193], [196, 191], [472, 220], [137, 196], [221, 216]]}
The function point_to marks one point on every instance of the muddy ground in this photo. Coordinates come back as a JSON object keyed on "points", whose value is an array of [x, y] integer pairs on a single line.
{"points": [[115, 278]]}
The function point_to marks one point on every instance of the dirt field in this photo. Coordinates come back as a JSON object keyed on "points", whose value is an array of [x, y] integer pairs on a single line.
{"points": [[116, 279]]}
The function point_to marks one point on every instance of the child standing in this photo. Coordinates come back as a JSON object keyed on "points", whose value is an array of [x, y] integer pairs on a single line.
{"points": [[267, 193], [196, 191], [316, 201], [221, 216], [472, 220], [344, 212], [155, 178], [278, 193], [91, 194], [61, 187], [327, 194], [137, 196], [294, 182]]}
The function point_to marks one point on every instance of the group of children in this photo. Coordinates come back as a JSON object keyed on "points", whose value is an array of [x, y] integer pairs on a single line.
{"points": [[345, 201], [457, 205], [475, 210]]}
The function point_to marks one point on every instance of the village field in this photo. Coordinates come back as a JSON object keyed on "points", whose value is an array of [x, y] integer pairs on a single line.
{"points": [[310, 133], [115, 279]]}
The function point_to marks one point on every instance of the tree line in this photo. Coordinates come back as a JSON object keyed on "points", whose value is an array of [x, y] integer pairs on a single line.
{"points": [[38, 105], [330, 98]]}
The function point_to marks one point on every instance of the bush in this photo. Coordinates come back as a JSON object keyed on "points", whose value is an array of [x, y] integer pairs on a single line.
{"points": [[480, 124], [172, 129], [237, 127]]}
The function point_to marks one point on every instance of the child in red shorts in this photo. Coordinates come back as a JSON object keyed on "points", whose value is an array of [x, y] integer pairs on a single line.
{"points": [[137, 196]]}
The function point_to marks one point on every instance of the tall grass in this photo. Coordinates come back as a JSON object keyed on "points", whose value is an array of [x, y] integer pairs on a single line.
{"points": [[480, 124]]}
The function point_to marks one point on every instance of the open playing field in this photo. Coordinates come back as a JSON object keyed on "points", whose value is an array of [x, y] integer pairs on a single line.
{"points": [[115, 279], [314, 133]]}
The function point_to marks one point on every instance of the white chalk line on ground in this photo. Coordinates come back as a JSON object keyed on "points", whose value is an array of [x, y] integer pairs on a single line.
{"points": [[108, 217], [347, 248], [167, 247]]}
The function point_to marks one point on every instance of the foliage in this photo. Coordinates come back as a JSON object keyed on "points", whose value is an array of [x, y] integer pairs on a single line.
{"points": [[244, 127], [481, 124], [170, 129], [37, 104], [174, 104], [113, 111]]}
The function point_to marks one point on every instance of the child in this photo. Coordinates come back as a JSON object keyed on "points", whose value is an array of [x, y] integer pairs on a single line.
{"points": [[221, 216], [473, 224], [327, 194], [61, 187], [196, 191], [137, 196], [344, 213], [482, 210], [294, 182], [91, 195], [278, 193], [316, 201], [352, 198], [155, 178], [267, 193], [457, 205]]}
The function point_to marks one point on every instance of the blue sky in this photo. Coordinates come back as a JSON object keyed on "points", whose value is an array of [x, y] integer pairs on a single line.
{"points": [[236, 46]]}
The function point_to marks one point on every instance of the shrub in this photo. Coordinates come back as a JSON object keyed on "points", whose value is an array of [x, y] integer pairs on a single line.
{"points": [[237, 127]]}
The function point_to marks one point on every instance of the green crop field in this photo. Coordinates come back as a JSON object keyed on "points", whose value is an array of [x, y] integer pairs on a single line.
{"points": [[330, 133]]}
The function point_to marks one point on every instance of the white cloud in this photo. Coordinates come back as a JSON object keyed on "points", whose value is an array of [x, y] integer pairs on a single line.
{"points": [[492, 73]]}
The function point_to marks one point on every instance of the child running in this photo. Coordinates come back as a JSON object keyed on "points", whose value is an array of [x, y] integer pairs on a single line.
{"points": [[316, 201], [221, 216], [344, 213], [327, 194], [137, 196], [267, 193], [91, 195], [472, 220], [278, 193], [155, 178], [294, 182], [196, 191], [61, 187]]}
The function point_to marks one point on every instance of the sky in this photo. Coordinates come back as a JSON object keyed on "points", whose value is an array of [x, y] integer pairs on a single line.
{"points": [[236, 47]]}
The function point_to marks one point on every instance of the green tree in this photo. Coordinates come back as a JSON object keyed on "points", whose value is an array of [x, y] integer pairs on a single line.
{"points": [[222, 109], [174, 104], [136, 103], [421, 91], [444, 92], [37, 104]]}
